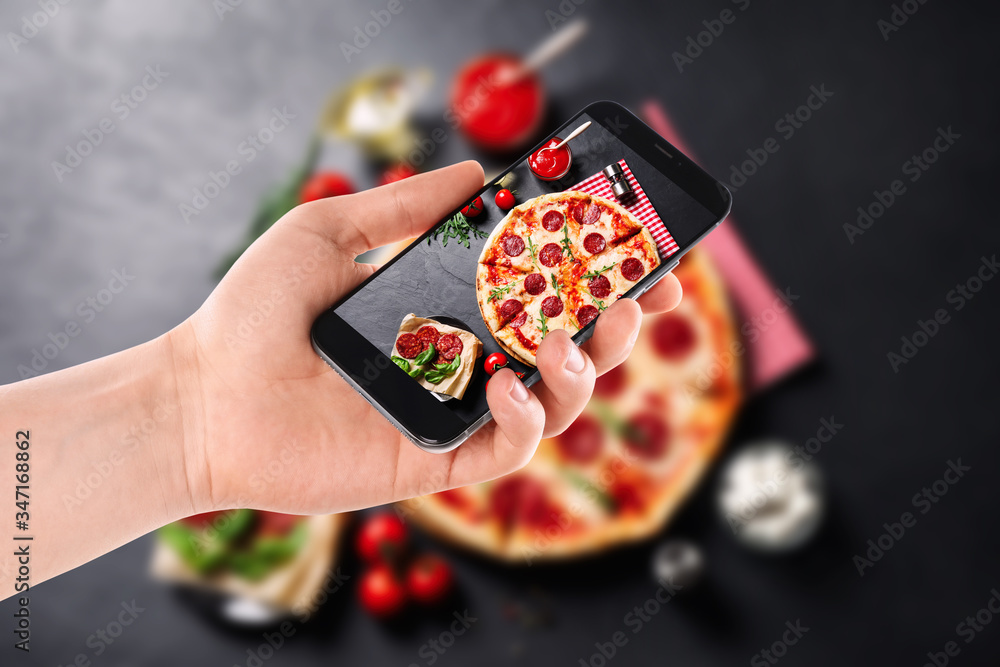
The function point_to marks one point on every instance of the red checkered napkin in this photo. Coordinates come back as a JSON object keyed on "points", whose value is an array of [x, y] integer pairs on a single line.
{"points": [[640, 206]]}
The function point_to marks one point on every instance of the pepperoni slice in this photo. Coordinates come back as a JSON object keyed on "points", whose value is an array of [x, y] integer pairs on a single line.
{"points": [[449, 346], [599, 286], [646, 435], [428, 336], [513, 245], [594, 243], [673, 336], [579, 210], [552, 306], [592, 215], [550, 254], [553, 221], [409, 346], [523, 500], [631, 269], [586, 314], [611, 383], [510, 308], [534, 284], [519, 320], [582, 441]]}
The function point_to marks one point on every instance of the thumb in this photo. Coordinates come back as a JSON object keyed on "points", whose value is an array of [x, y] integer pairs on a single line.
{"points": [[394, 212]]}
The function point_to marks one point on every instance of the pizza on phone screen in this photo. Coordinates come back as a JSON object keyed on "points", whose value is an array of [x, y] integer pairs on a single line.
{"points": [[556, 262]]}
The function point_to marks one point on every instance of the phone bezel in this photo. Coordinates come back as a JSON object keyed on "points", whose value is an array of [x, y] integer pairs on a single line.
{"points": [[414, 411]]}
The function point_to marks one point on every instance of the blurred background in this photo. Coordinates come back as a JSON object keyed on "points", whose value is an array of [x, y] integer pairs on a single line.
{"points": [[167, 93]]}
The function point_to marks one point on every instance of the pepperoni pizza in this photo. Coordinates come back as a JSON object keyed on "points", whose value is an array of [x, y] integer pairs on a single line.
{"points": [[555, 262], [626, 464]]}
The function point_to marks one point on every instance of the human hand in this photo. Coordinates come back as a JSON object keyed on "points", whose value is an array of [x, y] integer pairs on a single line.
{"points": [[269, 425]]}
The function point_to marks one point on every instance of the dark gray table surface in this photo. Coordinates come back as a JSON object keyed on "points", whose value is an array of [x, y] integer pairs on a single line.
{"points": [[59, 241]]}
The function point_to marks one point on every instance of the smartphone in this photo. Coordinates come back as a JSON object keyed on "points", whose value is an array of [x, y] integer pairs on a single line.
{"points": [[422, 336]]}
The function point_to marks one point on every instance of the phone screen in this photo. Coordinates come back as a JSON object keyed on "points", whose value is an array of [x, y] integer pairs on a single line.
{"points": [[463, 286]]}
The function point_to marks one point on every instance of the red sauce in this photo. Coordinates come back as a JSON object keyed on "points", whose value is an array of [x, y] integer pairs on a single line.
{"points": [[496, 112], [551, 165], [526, 342]]}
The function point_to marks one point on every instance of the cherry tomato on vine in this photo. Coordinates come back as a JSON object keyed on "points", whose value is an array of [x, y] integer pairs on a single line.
{"points": [[396, 172], [474, 208], [325, 184], [495, 362], [505, 199], [381, 592], [382, 537], [429, 579]]}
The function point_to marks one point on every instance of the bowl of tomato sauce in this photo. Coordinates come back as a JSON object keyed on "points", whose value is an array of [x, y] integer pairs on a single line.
{"points": [[495, 104], [551, 164]]}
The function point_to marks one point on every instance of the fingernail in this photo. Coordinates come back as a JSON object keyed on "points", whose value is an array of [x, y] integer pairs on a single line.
{"points": [[575, 362], [635, 336], [518, 392]]}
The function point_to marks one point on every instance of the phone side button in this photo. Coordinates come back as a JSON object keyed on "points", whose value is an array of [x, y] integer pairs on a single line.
{"points": [[645, 288]]}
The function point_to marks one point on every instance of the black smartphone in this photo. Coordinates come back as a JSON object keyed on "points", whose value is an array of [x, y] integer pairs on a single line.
{"points": [[422, 336]]}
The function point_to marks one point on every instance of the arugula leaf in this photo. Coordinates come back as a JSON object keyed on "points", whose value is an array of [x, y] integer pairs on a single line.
{"points": [[594, 274], [600, 305], [456, 227], [556, 286], [565, 242], [533, 250], [498, 292], [543, 324]]}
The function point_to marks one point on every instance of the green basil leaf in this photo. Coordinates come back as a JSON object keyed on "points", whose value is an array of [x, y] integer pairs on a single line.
{"points": [[434, 377], [425, 356], [401, 362]]}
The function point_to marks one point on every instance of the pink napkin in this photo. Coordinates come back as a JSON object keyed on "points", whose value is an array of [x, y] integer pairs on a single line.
{"points": [[639, 206], [781, 346]]}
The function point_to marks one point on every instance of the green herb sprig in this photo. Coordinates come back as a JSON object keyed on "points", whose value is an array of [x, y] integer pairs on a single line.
{"points": [[594, 274], [456, 227]]}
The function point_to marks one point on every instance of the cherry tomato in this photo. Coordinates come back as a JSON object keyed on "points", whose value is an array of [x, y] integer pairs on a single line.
{"points": [[273, 523], [324, 184], [505, 199], [495, 362], [381, 592], [429, 579], [381, 538], [204, 520], [474, 208], [396, 173]]}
